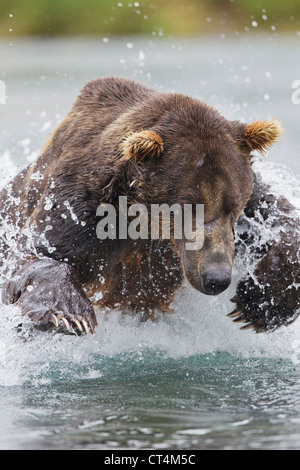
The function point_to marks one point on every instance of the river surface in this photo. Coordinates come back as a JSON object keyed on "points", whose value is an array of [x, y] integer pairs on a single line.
{"points": [[192, 380]]}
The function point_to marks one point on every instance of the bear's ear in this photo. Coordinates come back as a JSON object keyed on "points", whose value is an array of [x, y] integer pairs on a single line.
{"points": [[260, 135], [139, 145]]}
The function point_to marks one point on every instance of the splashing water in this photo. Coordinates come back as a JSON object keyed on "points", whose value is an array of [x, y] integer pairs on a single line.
{"points": [[199, 325], [192, 380]]}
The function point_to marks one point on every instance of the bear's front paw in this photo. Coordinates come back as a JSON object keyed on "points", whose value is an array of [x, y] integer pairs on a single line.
{"points": [[71, 312], [270, 297], [61, 306], [49, 294]]}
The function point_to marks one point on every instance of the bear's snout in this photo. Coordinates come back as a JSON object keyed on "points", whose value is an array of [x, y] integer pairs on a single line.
{"points": [[215, 280]]}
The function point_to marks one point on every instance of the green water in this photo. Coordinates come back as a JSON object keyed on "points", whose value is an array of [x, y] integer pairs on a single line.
{"points": [[191, 381], [213, 401]]}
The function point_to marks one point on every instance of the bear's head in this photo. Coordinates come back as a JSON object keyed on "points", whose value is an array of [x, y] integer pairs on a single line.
{"points": [[177, 150]]}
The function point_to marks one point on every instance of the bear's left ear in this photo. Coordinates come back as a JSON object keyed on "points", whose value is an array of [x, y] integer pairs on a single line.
{"points": [[261, 135], [139, 145]]}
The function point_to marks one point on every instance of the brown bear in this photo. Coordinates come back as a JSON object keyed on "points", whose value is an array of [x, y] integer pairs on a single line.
{"points": [[124, 139]]}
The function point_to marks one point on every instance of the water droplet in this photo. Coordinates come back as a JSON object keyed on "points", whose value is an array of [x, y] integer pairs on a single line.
{"points": [[48, 204]]}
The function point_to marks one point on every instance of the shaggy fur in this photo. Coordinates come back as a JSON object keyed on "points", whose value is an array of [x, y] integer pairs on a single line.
{"points": [[124, 139], [261, 135]]}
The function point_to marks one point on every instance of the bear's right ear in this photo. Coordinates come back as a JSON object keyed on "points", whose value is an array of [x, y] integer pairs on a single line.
{"points": [[139, 145]]}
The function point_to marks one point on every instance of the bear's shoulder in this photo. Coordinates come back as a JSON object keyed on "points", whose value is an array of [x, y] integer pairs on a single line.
{"points": [[111, 92]]}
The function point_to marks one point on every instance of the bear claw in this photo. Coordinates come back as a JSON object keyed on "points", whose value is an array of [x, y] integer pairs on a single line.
{"points": [[61, 321], [78, 325], [67, 324], [234, 314], [249, 326], [53, 319], [85, 326]]}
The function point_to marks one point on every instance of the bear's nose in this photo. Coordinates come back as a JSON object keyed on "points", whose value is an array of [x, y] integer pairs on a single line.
{"points": [[215, 281]]}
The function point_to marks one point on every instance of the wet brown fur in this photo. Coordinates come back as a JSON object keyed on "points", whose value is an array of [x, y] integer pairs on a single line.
{"points": [[122, 138]]}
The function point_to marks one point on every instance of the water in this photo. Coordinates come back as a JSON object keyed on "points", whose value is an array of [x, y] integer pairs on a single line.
{"points": [[192, 380]]}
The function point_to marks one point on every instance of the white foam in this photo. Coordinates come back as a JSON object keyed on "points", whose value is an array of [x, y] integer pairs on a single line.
{"points": [[198, 326]]}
